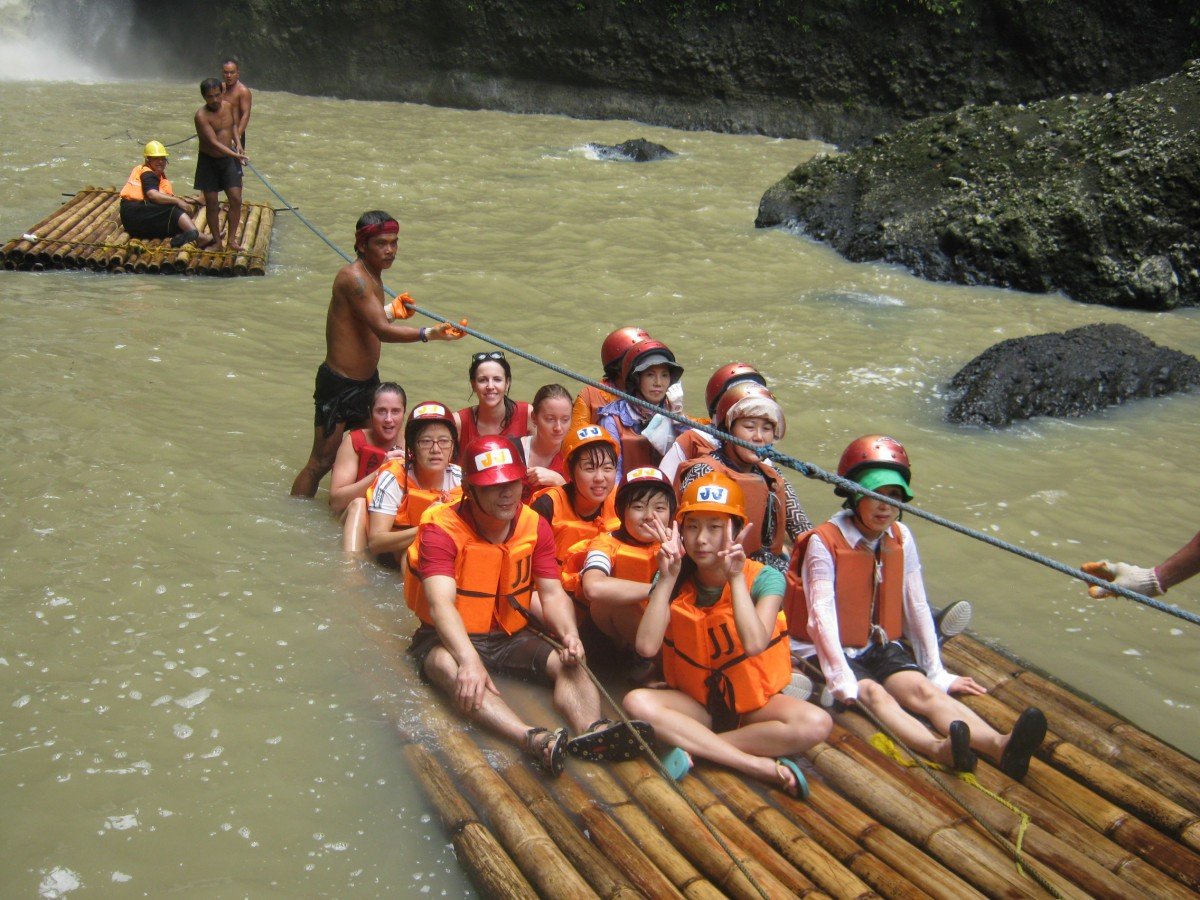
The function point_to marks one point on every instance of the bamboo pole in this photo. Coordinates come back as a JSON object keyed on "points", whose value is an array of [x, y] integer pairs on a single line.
{"points": [[47, 227], [952, 841], [64, 254], [1098, 775], [1082, 723], [241, 262], [531, 848], [66, 225], [1067, 861], [238, 229], [262, 242], [474, 846], [12, 245], [797, 846], [590, 863], [913, 876], [739, 834], [617, 846], [87, 258], [673, 863], [182, 258], [679, 822], [1084, 833]]}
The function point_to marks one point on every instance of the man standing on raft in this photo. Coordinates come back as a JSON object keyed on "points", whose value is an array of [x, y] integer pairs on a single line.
{"points": [[356, 326], [219, 162], [238, 96]]}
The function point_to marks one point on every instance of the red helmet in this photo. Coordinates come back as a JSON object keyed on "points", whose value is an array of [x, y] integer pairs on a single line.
{"points": [[725, 378], [617, 343], [644, 353], [875, 451], [743, 391], [424, 413], [491, 459], [640, 476]]}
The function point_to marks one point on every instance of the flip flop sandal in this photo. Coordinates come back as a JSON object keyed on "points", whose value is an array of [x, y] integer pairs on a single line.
{"points": [[964, 757], [799, 790], [953, 620], [608, 741], [1027, 735], [538, 740], [677, 762]]}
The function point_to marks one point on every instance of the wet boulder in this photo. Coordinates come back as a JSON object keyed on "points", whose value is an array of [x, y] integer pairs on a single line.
{"points": [[1066, 374], [636, 150], [1094, 196]]}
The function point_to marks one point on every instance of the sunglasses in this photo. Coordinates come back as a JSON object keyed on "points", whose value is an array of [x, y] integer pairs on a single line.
{"points": [[489, 354]]}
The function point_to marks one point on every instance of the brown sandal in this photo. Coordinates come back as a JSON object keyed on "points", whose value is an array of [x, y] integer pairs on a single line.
{"points": [[547, 749]]}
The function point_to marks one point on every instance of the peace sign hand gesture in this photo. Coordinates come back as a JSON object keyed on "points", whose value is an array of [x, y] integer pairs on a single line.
{"points": [[733, 555], [670, 553]]}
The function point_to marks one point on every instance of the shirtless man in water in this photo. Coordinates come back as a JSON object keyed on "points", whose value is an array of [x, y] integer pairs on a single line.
{"points": [[238, 96], [356, 326], [217, 163]]}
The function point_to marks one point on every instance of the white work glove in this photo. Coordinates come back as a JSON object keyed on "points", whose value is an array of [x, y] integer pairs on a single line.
{"points": [[1144, 581], [675, 397], [660, 432]]}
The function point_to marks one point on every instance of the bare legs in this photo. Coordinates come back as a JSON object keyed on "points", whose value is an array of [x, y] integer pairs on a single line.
{"points": [[320, 461]]}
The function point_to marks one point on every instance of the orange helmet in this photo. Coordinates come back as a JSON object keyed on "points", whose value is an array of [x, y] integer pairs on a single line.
{"points": [[616, 345], [424, 413], [491, 459], [725, 378], [874, 451], [582, 437], [644, 354], [713, 492], [744, 391]]}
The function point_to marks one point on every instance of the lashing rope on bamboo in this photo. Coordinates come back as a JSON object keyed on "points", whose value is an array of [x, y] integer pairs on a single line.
{"points": [[137, 245]]}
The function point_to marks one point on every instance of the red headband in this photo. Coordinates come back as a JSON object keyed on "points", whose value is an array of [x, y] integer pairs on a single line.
{"points": [[364, 234]]}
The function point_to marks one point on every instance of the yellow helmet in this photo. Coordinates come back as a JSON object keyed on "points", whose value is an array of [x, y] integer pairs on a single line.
{"points": [[155, 148], [713, 492]]}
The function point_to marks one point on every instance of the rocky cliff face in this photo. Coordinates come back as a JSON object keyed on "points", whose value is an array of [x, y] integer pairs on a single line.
{"points": [[1095, 196], [841, 70]]}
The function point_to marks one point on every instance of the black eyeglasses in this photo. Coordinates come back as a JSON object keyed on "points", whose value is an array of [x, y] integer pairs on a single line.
{"points": [[489, 354]]}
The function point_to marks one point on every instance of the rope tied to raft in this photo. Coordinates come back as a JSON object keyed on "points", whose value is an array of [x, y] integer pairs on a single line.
{"points": [[140, 247], [890, 745], [889, 748], [808, 470]]}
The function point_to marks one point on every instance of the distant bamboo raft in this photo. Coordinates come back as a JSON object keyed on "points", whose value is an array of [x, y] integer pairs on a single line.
{"points": [[1112, 813], [86, 233]]}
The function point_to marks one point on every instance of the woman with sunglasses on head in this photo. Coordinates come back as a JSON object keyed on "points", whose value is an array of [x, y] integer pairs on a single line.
{"points": [[402, 492], [359, 456], [495, 413]]}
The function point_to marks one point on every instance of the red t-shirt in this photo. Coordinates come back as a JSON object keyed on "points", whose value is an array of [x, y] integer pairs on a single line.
{"points": [[438, 552]]}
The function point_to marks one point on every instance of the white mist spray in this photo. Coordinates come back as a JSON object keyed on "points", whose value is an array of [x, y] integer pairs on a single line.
{"points": [[61, 40]]}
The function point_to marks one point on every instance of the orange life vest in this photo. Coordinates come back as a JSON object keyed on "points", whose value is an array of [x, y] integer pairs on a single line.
{"points": [[586, 408], [416, 498], [568, 528], [489, 577], [693, 444], [370, 457], [758, 492], [856, 580], [704, 658], [630, 562], [133, 187]]}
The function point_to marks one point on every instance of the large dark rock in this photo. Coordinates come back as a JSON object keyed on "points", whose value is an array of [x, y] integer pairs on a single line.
{"points": [[636, 150], [1098, 197], [841, 70], [1068, 374]]}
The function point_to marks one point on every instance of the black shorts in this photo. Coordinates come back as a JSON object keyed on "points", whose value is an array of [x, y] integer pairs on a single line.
{"points": [[882, 661], [522, 655], [217, 173], [342, 400], [142, 219]]}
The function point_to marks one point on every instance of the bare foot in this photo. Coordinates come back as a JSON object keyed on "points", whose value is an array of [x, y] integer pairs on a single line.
{"points": [[204, 240], [233, 246]]}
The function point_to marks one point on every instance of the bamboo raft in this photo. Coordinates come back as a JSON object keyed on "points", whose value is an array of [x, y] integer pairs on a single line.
{"points": [[86, 233], [1106, 810]]}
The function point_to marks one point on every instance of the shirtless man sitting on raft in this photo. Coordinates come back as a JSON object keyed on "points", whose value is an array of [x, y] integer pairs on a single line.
{"points": [[356, 326]]}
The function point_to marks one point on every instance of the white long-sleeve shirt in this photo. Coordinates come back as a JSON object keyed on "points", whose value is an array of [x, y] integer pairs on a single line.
{"points": [[818, 574]]}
